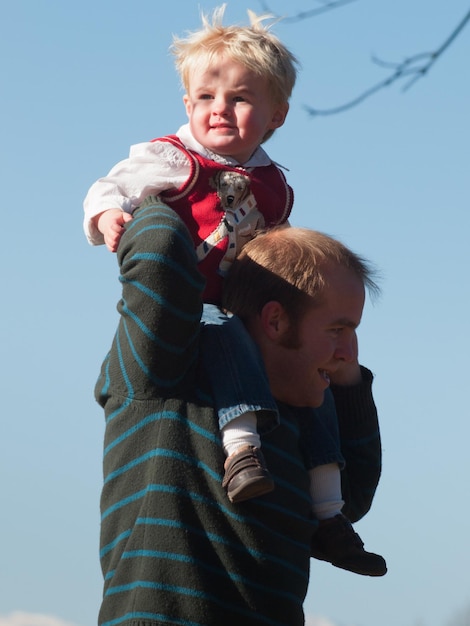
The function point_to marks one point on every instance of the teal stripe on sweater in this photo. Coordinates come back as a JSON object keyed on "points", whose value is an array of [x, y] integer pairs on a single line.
{"points": [[189, 460], [169, 347], [146, 212], [223, 541], [223, 573], [163, 415], [127, 380], [162, 259], [186, 591], [245, 519], [161, 301], [121, 537], [159, 617], [161, 382]]}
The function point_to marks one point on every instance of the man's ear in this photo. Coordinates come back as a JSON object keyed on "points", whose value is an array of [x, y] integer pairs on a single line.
{"points": [[274, 320]]}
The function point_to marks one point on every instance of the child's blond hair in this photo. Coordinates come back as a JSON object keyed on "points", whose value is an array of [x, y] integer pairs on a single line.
{"points": [[253, 46]]}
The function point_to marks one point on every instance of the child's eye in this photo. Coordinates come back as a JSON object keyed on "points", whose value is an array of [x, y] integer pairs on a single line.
{"points": [[205, 96], [239, 99]]}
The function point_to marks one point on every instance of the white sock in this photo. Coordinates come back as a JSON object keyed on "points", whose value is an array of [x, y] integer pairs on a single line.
{"points": [[240, 432], [325, 489]]}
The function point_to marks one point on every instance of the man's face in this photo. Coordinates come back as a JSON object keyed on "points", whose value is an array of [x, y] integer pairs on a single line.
{"points": [[325, 338]]}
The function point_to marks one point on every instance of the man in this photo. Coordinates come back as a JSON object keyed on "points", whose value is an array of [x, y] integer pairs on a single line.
{"points": [[174, 550]]}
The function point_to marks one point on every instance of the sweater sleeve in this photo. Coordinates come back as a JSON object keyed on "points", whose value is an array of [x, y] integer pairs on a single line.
{"points": [[360, 445], [155, 348]]}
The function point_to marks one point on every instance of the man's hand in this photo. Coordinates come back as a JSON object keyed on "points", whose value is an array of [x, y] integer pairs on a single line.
{"points": [[349, 372], [111, 224]]}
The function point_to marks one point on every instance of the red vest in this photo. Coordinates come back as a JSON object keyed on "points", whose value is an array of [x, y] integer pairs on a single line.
{"points": [[223, 206]]}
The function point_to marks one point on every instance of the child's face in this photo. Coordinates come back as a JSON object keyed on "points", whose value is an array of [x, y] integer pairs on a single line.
{"points": [[230, 109]]}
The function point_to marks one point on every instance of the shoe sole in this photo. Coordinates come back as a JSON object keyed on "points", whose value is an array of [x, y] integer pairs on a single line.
{"points": [[249, 488]]}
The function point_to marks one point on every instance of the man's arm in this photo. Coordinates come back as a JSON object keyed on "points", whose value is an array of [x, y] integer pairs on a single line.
{"points": [[360, 444], [156, 343]]}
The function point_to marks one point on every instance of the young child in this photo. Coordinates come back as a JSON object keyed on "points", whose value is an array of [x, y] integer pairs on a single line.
{"points": [[214, 173]]}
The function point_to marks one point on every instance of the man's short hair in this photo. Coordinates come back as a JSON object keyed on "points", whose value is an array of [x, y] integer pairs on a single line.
{"points": [[288, 265]]}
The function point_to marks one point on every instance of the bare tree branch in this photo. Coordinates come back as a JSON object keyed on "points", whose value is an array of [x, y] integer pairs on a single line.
{"points": [[414, 68], [326, 5]]}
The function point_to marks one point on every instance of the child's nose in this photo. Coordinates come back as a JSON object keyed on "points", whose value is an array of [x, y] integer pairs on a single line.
{"points": [[220, 106]]}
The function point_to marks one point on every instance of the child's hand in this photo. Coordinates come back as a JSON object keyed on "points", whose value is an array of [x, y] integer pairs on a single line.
{"points": [[111, 224]]}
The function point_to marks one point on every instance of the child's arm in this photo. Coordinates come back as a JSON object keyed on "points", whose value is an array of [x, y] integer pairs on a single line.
{"points": [[152, 167]]}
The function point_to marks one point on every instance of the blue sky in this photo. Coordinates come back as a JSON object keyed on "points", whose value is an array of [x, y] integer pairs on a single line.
{"points": [[83, 81]]}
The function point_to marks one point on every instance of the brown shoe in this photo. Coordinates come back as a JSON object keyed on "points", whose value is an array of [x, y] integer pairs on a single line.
{"points": [[246, 475], [336, 542]]}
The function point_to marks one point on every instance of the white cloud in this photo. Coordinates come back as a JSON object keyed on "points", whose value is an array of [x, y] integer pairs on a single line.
{"points": [[31, 619], [310, 620]]}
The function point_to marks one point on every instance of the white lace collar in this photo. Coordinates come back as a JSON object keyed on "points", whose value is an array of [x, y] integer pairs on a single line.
{"points": [[258, 159]]}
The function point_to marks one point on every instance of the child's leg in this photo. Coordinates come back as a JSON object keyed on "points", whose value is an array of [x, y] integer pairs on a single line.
{"points": [[325, 460], [325, 489], [243, 401], [335, 540]]}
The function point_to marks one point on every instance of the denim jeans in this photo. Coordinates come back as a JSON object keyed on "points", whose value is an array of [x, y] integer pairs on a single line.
{"points": [[236, 371], [240, 384]]}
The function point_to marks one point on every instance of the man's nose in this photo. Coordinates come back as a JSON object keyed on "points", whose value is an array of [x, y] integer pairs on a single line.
{"points": [[345, 350]]}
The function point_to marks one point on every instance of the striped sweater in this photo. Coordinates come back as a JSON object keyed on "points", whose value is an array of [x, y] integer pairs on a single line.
{"points": [[174, 550]]}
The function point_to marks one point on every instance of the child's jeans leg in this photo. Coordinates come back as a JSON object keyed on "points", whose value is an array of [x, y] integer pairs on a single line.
{"points": [[236, 371]]}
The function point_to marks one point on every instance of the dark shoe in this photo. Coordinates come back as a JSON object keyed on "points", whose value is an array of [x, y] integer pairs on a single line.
{"points": [[246, 475], [335, 541]]}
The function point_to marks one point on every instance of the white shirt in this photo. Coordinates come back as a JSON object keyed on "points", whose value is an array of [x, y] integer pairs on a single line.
{"points": [[152, 167]]}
